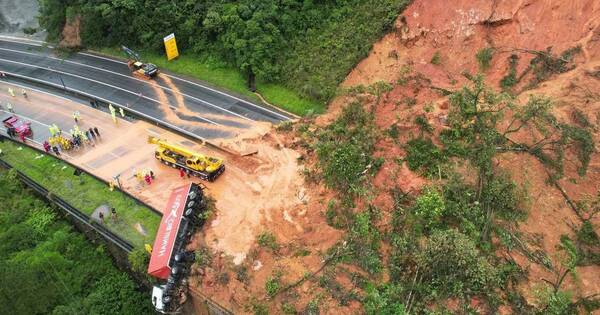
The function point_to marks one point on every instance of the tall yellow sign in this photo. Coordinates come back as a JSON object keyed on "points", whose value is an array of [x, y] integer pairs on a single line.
{"points": [[171, 46]]}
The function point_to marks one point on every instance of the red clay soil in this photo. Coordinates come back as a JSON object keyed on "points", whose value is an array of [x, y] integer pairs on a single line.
{"points": [[457, 30], [70, 37], [265, 191]]}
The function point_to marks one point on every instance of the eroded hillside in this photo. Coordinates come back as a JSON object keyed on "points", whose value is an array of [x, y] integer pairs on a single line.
{"points": [[357, 238]]}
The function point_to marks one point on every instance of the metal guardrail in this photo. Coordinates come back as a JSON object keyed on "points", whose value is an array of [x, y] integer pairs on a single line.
{"points": [[72, 211], [104, 102], [39, 150]]}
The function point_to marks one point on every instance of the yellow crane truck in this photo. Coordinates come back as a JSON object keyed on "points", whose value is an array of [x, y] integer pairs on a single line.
{"points": [[193, 163]]}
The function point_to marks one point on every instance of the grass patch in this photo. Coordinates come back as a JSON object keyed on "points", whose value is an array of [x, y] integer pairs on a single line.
{"points": [[86, 195], [219, 73]]}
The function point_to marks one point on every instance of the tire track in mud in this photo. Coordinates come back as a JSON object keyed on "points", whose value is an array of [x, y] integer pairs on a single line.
{"points": [[171, 115], [180, 99]]}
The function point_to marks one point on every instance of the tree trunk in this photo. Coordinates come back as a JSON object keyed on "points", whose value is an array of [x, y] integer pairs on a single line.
{"points": [[251, 81]]}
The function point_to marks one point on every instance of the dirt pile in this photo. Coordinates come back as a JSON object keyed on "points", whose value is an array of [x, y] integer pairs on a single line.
{"points": [[70, 37], [525, 47]]}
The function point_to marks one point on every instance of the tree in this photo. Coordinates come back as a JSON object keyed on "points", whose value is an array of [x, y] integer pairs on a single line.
{"points": [[452, 266], [384, 300], [430, 207], [250, 36]]}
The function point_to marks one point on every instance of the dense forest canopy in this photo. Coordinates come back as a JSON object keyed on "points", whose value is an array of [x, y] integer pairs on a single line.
{"points": [[47, 268], [308, 45]]}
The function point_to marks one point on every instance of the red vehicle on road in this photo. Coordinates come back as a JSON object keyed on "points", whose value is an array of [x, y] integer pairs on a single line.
{"points": [[21, 127]]}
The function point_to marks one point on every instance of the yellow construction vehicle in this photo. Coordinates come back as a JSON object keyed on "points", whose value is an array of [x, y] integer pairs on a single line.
{"points": [[140, 69], [193, 163]]}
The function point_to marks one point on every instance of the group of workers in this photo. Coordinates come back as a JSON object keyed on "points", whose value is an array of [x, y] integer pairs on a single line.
{"points": [[78, 138]]}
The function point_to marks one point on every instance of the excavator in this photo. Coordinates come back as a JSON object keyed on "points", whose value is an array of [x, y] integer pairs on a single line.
{"points": [[139, 68], [193, 163]]}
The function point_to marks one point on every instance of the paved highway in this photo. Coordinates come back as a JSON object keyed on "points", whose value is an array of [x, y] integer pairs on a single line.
{"points": [[188, 105]]}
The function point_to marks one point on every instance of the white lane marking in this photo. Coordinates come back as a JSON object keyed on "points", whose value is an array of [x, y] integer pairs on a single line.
{"points": [[6, 132], [229, 95], [199, 85], [180, 79], [29, 118], [39, 123], [35, 90], [133, 78], [102, 83], [183, 131], [20, 40], [101, 57]]}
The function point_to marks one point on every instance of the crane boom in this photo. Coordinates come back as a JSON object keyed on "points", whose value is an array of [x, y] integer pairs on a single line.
{"points": [[175, 148], [131, 54], [205, 167]]}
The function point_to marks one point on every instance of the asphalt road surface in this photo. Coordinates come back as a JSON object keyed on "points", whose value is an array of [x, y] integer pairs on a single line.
{"points": [[187, 105]]}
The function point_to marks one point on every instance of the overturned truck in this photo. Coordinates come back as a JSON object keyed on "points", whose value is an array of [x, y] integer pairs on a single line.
{"points": [[170, 261]]}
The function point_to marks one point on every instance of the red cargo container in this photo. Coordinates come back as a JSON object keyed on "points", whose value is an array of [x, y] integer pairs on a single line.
{"points": [[162, 252]]}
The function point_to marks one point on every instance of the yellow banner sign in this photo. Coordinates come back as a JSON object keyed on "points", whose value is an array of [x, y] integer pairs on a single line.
{"points": [[171, 46]]}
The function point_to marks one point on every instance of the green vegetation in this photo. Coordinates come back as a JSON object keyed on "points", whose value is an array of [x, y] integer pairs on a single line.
{"points": [[423, 155], [544, 64], [510, 79], [47, 268], [344, 149], [221, 74], [84, 192], [443, 243], [436, 59], [484, 58], [273, 284], [307, 47], [268, 240]]}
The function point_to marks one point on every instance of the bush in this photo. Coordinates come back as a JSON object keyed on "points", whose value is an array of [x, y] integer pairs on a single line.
{"points": [[422, 155], [430, 207], [484, 57], [139, 260], [453, 266], [267, 239], [510, 79], [384, 300], [344, 149], [364, 243], [273, 285], [437, 58], [423, 124]]}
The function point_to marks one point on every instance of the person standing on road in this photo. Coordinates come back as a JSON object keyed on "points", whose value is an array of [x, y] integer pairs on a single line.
{"points": [[55, 149], [181, 173], [24, 93], [148, 179], [76, 116], [46, 146], [11, 92], [97, 132], [92, 133], [10, 107]]}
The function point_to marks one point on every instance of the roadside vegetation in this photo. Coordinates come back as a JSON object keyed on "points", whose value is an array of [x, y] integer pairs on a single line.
{"points": [[294, 52], [47, 268], [84, 192]]}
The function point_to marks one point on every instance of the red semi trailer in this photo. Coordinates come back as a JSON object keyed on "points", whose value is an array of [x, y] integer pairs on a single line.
{"points": [[170, 260]]}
